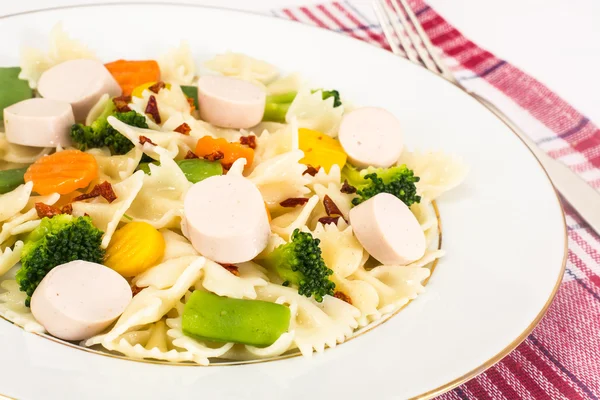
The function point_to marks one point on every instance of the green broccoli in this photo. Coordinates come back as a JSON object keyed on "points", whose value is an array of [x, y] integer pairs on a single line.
{"points": [[399, 181], [299, 263], [278, 105], [56, 241], [101, 134]]}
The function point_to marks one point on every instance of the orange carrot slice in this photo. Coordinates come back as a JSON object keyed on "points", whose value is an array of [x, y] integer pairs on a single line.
{"points": [[62, 172], [131, 74], [224, 151]]}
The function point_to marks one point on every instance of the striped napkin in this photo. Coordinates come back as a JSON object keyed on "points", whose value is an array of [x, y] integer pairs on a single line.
{"points": [[561, 358]]}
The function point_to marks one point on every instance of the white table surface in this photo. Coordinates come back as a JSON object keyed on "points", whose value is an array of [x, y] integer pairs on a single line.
{"points": [[556, 41]]}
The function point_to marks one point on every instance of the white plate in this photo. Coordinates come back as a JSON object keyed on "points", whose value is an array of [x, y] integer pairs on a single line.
{"points": [[503, 228]]}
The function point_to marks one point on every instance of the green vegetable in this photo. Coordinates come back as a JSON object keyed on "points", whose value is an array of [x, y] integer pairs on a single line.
{"points": [[277, 105], [101, 134], [399, 181], [192, 93], [57, 240], [195, 169], [300, 264], [12, 89], [11, 178], [207, 316]]}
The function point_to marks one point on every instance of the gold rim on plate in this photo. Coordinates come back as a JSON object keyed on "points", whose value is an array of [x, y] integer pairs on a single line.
{"points": [[505, 120]]}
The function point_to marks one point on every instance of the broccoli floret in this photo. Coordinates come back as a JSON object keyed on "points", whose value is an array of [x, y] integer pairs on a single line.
{"points": [[399, 181], [101, 134], [299, 263], [57, 240], [278, 105]]}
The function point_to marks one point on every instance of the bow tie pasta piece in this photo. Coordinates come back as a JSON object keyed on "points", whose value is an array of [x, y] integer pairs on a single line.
{"points": [[281, 141], [280, 178], [160, 200], [13, 202], [106, 216], [25, 222], [61, 48], [151, 304], [177, 65], [316, 325], [343, 201], [224, 283], [10, 257], [170, 101], [439, 171], [176, 245], [165, 274], [362, 295], [14, 153], [285, 224], [12, 307], [395, 285], [341, 251], [314, 112], [425, 214], [116, 168], [334, 176], [243, 67]]}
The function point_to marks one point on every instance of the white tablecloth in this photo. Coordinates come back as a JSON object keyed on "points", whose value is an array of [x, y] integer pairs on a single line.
{"points": [[556, 41]]}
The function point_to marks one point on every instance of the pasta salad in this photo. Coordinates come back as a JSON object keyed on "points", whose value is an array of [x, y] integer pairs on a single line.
{"points": [[166, 212]]}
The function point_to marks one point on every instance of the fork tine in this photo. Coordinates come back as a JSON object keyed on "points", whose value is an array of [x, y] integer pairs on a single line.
{"points": [[414, 39], [431, 50], [398, 29], [383, 21]]}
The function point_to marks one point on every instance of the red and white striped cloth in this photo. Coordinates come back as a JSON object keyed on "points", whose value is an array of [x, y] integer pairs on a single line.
{"points": [[561, 358]]}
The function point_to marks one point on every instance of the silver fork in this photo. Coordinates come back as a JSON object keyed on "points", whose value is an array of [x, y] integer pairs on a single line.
{"points": [[407, 38]]}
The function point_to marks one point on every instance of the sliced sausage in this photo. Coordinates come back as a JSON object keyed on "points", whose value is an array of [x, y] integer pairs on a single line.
{"points": [[78, 82], [79, 299], [388, 230], [226, 219], [230, 102], [371, 137], [39, 123]]}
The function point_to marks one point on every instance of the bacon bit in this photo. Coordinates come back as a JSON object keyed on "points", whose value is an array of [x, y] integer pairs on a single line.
{"points": [[226, 166], [294, 202], [191, 103], [122, 103], [312, 171], [67, 209], [347, 188], [184, 129], [157, 86], [329, 220], [217, 155], [136, 289], [144, 139], [152, 109], [104, 189], [190, 155], [249, 141], [44, 210], [330, 207], [343, 297], [231, 268]]}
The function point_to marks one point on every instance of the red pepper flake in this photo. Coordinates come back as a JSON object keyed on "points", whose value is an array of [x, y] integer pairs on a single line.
{"points": [[190, 155], [231, 268], [330, 207], [312, 171], [152, 109], [347, 188], [329, 220], [191, 103], [122, 103], [294, 202], [157, 86], [67, 209], [136, 289], [44, 210], [249, 141], [184, 129], [226, 166], [217, 155], [144, 139], [104, 189], [343, 297]]}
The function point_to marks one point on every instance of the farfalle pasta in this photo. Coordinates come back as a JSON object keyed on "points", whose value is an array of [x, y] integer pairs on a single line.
{"points": [[269, 227]]}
